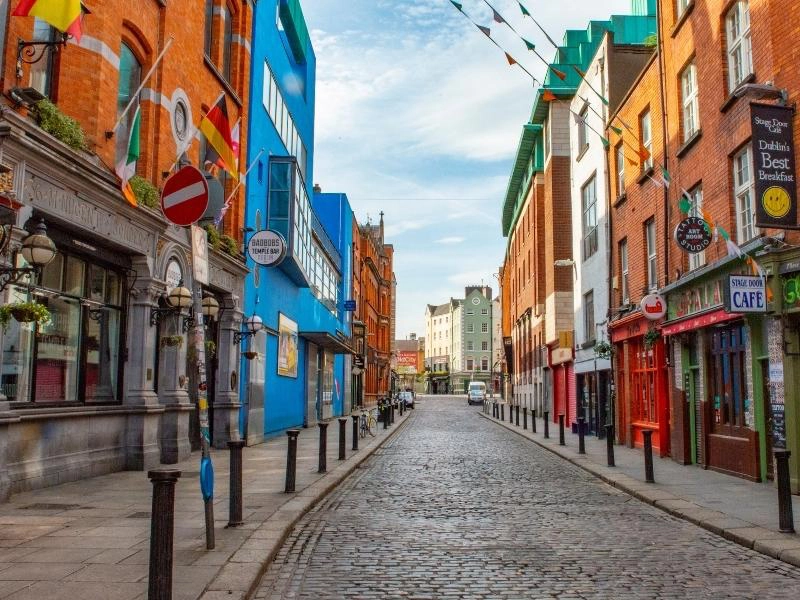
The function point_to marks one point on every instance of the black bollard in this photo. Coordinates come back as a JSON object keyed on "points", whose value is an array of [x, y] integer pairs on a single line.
{"points": [[323, 447], [502, 412], [494, 409], [162, 529], [610, 445], [561, 441], [581, 441], [525, 417], [355, 433], [342, 438], [648, 456], [402, 403], [385, 418], [785, 515], [511, 413], [547, 424], [235, 491], [391, 412], [517, 415], [291, 459], [533, 420]]}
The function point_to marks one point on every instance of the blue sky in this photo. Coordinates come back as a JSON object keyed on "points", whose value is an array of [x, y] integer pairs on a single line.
{"points": [[419, 116]]}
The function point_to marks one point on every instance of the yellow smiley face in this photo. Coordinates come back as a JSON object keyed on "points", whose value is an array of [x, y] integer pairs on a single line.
{"points": [[776, 202]]}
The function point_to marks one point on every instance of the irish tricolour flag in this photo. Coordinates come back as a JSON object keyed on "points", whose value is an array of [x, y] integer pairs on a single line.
{"points": [[126, 168]]}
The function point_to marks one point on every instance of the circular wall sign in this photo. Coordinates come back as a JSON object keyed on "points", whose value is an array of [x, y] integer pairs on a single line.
{"points": [[174, 274], [476, 301], [693, 234], [267, 247], [654, 306]]}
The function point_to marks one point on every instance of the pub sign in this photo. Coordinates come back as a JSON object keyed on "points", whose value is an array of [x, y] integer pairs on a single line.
{"points": [[773, 158]]}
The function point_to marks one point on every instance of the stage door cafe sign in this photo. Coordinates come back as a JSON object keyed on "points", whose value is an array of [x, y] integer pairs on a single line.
{"points": [[773, 157], [745, 294]]}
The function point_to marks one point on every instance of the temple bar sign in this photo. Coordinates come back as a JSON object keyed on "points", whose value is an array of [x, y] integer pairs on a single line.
{"points": [[773, 159]]}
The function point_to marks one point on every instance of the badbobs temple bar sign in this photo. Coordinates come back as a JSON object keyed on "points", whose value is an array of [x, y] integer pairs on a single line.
{"points": [[773, 158]]}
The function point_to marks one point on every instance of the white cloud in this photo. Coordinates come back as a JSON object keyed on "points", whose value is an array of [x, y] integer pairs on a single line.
{"points": [[456, 239]]}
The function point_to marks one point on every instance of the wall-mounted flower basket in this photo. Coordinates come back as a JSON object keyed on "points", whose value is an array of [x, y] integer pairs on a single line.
{"points": [[250, 354], [603, 350], [24, 312], [211, 349], [651, 338], [172, 341]]}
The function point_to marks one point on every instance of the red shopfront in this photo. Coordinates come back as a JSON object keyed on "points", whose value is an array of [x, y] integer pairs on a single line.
{"points": [[641, 377], [563, 370]]}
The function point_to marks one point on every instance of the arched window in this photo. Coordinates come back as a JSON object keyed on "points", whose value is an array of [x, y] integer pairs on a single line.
{"points": [[227, 41], [209, 30], [130, 76]]}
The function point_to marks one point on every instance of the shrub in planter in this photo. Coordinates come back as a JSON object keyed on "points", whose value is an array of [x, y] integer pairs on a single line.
{"points": [[24, 312], [146, 193], [213, 236], [229, 245], [59, 125]]}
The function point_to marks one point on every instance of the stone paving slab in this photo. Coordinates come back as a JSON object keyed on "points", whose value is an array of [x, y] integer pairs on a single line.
{"points": [[90, 539], [739, 510]]}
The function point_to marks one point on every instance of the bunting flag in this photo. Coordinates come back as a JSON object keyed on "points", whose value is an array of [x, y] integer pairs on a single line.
{"points": [[524, 10], [498, 18], [560, 74], [644, 154], [656, 181], [582, 75], [665, 176], [458, 5], [64, 15], [733, 248], [616, 130], [723, 234], [510, 59], [529, 45], [684, 205], [581, 120], [485, 30], [707, 218], [215, 126], [126, 168], [526, 13], [548, 96], [625, 125]]}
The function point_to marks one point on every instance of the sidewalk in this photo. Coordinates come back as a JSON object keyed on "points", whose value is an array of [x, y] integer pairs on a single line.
{"points": [[739, 510], [90, 539]]}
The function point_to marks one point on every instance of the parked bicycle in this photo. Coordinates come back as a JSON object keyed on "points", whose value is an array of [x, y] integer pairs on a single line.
{"points": [[368, 422]]}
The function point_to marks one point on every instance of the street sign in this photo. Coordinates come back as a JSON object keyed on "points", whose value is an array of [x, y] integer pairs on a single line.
{"points": [[745, 293], [350, 305], [267, 247], [185, 196], [654, 307], [358, 361], [200, 254]]}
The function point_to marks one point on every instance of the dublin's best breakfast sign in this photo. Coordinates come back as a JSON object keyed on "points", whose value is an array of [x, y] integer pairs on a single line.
{"points": [[773, 158]]}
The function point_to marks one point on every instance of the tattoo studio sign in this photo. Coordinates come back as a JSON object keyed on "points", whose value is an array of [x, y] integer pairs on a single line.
{"points": [[773, 159]]}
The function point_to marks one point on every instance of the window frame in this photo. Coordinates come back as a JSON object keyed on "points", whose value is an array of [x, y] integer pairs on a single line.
{"points": [[697, 259], [619, 153], [744, 189], [646, 142], [589, 244], [625, 289], [690, 104], [589, 333], [651, 253], [583, 130], [738, 15]]}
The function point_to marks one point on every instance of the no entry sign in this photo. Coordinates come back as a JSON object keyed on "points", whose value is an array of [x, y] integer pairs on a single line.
{"points": [[184, 198]]}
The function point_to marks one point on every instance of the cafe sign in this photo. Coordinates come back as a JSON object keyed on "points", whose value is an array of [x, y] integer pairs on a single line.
{"points": [[693, 235], [773, 158], [745, 294], [654, 307]]}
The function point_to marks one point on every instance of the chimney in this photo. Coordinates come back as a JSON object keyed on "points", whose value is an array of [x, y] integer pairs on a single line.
{"points": [[412, 336], [317, 188]]}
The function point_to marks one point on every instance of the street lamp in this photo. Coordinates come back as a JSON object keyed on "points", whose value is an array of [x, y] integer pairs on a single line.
{"points": [[37, 250], [252, 325], [210, 307], [178, 299]]}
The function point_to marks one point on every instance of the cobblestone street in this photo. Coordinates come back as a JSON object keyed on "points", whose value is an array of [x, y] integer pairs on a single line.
{"points": [[456, 507]]}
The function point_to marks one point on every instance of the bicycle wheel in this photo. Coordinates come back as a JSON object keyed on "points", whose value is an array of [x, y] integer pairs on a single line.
{"points": [[362, 430]]}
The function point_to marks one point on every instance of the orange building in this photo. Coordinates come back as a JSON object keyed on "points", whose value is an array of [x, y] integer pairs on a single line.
{"points": [[111, 345]]}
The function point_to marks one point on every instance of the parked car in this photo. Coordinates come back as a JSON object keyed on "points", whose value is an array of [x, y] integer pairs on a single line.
{"points": [[408, 398], [476, 392]]}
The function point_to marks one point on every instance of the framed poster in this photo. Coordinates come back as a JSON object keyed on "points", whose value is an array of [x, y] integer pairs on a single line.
{"points": [[287, 346]]}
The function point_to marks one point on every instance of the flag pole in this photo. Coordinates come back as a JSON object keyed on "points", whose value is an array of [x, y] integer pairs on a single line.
{"points": [[227, 203], [190, 138], [142, 84]]}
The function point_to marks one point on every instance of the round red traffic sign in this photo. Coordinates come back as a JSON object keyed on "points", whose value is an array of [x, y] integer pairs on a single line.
{"points": [[184, 198]]}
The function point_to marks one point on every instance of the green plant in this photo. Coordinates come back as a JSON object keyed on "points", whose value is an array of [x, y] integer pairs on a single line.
{"points": [[146, 193], [211, 349], [651, 337], [59, 125], [651, 40], [24, 312], [603, 350], [212, 235], [229, 245], [172, 340]]}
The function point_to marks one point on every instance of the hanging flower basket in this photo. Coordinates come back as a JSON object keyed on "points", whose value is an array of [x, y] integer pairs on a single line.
{"points": [[24, 312], [603, 350], [172, 340], [651, 338], [250, 354]]}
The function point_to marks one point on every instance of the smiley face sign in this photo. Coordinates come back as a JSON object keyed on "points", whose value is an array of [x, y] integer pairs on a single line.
{"points": [[776, 202]]}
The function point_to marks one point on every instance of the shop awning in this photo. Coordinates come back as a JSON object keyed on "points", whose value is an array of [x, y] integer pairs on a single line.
{"points": [[323, 339], [704, 320]]}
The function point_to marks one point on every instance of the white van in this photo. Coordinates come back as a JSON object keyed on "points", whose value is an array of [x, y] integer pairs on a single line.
{"points": [[476, 392]]}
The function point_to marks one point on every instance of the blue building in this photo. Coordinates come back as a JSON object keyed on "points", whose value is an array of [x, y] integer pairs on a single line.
{"points": [[299, 365]]}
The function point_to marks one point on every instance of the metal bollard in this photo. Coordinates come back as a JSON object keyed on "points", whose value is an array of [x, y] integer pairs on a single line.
{"points": [[291, 459], [235, 491], [355, 433], [502, 412], [391, 412], [561, 441], [547, 424], [323, 447], [648, 456], [495, 409], [581, 441], [511, 413], [342, 438], [385, 417], [162, 529], [610, 445], [785, 515], [525, 417], [402, 404], [517, 415]]}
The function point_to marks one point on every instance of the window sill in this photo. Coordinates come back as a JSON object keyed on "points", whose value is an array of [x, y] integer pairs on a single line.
{"points": [[588, 344], [582, 152], [227, 86], [682, 19], [731, 99], [687, 145], [645, 176], [620, 200]]}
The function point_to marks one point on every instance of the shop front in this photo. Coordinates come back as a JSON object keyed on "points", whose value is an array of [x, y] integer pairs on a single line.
{"points": [[562, 372], [640, 374]]}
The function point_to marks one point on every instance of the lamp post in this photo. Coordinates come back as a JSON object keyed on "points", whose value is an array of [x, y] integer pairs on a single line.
{"points": [[251, 326], [178, 299], [37, 249]]}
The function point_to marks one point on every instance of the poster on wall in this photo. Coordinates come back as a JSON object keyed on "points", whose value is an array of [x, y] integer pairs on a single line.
{"points": [[773, 159], [287, 347]]}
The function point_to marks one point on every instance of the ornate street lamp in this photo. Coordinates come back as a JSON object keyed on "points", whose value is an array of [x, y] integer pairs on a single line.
{"points": [[210, 307], [252, 325], [178, 299], [37, 250]]}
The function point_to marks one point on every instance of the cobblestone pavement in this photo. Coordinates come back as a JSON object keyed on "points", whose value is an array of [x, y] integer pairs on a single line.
{"points": [[457, 507]]}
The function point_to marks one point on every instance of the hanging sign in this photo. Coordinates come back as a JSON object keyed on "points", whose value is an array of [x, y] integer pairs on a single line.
{"points": [[267, 247], [184, 198], [693, 235], [745, 294], [654, 307], [773, 158]]}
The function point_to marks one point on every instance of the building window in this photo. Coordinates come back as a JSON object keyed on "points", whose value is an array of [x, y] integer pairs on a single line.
{"points": [[130, 76], [76, 356], [620, 158], [227, 40], [583, 130], [470, 312], [272, 99], [484, 364], [643, 383], [743, 191], [728, 382], [740, 52], [682, 5], [484, 328], [470, 364], [589, 201], [470, 346], [646, 133], [484, 346], [41, 73], [697, 259], [588, 316], [208, 42], [484, 311], [470, 328], [650, 245], [691, 106]]}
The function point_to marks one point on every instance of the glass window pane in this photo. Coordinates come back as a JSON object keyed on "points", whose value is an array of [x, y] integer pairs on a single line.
{"points": [[57, 352], [102, 355], [15, 373], [97, 283], [53, 272], [280, 176], [113, 288], [227, 41], [279, 205], [76, 269]]}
